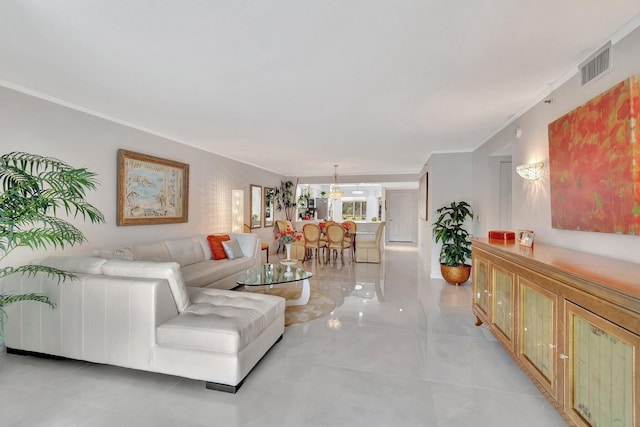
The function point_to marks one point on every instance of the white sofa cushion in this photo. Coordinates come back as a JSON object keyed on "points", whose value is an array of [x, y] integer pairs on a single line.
{"points": [[74, 264], [114, 253], [156, 251], [206, 247], [155, 270], [185, 251], [221, 321], [247, 243], [232, 249], [207, 272]]}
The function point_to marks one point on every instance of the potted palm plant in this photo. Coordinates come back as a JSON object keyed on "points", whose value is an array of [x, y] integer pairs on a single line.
{"points": [[456, 243], [33, 189]]}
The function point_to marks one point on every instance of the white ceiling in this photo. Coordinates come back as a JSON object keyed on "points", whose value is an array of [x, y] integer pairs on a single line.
{"points": [[375, 86]]}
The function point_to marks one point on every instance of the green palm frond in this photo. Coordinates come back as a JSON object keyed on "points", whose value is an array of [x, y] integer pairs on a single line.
{"points": [[33, 269], [52, 232], [6, 299], [33, 190]]}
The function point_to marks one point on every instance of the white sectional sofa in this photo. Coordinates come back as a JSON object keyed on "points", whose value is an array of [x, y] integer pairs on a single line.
{"points": [[164, 313], [193, 254]]}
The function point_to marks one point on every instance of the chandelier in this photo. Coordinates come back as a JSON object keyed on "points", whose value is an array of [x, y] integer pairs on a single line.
{"points": [[335, 192]]}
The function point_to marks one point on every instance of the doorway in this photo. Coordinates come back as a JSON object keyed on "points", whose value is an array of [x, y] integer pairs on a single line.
{"points": [[402, 215], [505, 195]]}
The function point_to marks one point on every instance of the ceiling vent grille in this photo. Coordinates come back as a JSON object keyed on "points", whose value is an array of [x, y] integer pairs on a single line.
{"points": [[596, 65]]}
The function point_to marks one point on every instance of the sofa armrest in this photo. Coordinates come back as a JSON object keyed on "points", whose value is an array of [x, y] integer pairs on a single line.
{"points": [[97, 318], [258, 253]]}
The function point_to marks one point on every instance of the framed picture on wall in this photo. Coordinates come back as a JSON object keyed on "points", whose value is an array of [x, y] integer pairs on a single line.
{"points": [[151, 190], [255, 205]]}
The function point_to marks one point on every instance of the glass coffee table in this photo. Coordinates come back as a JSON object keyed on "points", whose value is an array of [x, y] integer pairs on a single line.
{"points": [[274, 274]]}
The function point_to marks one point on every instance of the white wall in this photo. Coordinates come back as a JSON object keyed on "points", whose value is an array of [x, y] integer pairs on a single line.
{"points": [[450, 179], [41, 127], [531, 202], [372, 203]]}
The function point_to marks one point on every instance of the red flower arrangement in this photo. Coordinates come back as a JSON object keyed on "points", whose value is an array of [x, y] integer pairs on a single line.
{"points": [[322, 225], [346, 225], [288, 236]]}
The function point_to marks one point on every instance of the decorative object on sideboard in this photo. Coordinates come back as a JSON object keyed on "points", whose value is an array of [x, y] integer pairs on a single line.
{"points": [[503, 236], [33, 189], [151, 190], [456, 243], [525, 238], [531, 171]]}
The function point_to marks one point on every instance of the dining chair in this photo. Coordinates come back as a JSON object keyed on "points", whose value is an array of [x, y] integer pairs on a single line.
{"points": [[369, 250], [312, 242], [324, 230], [350, 228], [336, 241]]}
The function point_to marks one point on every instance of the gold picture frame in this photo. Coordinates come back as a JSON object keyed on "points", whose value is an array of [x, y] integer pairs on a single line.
{"points": [[151, 190], [255, 206], [268, 210]]}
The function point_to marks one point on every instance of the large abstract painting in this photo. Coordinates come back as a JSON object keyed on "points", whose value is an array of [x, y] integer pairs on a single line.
{"points": [[594, 162]]}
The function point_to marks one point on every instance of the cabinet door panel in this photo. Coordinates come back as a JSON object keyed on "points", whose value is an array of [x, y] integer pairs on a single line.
{"points": [[481, 285], [601, 389], [538, 333], [503, 294]]}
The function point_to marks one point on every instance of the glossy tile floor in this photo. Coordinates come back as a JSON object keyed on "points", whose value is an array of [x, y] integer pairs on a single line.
{"points": [[398, 350]]}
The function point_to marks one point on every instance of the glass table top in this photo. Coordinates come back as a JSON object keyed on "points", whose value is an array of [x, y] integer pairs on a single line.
{"points": [[271, 274]]}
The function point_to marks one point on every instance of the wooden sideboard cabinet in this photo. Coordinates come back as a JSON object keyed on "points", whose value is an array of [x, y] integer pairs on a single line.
{"points": [[571, 321]]}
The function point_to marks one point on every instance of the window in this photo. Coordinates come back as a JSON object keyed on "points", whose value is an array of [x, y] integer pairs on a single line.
{"points": [[354, 210]]}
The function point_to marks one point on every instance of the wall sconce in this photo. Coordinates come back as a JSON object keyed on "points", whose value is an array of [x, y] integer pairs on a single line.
{"points": [[531, 172], [237, 211]]}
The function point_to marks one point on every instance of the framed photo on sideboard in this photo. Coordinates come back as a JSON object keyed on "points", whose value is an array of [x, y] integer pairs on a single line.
{"points": [[525, 238]]}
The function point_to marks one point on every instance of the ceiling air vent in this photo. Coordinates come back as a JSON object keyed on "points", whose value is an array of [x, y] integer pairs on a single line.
{"points": [[596, 65]]}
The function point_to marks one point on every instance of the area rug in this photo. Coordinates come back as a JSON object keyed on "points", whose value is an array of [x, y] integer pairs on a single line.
{"points": [[318, 305]]}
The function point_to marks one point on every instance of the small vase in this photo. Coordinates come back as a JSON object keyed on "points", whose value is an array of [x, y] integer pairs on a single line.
{"points": [[288, 247]]}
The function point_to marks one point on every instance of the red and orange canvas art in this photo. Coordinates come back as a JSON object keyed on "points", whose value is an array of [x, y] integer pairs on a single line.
{"points": [[594, 162]]}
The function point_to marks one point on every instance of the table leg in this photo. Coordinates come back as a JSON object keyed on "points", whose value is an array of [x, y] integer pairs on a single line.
{"points": [[304, 296], [353, 247]]}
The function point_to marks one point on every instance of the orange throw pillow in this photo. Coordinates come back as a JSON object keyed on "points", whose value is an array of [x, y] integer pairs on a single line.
{"points": [[217, 251]]}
